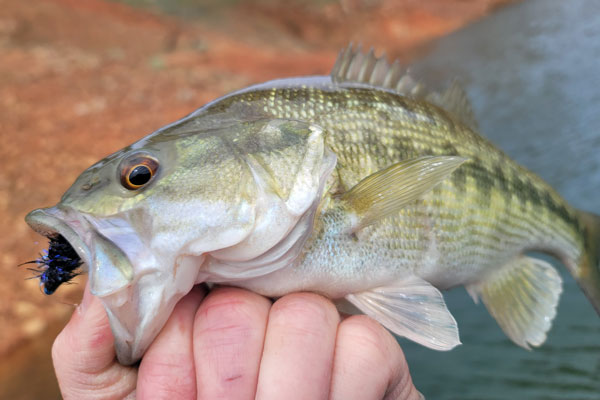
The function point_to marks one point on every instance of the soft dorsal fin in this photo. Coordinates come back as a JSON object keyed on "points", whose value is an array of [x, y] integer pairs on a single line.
{"points": [[385, 192], [455, 101], [355, 66]]}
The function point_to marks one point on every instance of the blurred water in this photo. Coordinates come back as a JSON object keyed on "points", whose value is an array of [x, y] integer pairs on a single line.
{"points": [[533, 73]]}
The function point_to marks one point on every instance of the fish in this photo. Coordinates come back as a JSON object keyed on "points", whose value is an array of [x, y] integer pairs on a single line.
{"points": [[364, 186]]}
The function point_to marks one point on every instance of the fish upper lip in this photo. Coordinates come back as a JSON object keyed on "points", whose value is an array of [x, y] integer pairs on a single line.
{"points": [[50, 222]]}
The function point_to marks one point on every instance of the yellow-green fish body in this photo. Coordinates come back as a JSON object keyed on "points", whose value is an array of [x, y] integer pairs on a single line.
{"points": [[361, 186]]}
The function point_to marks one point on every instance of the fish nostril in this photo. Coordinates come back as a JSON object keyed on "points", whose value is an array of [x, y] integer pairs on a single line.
{"points": [[92, 181]]}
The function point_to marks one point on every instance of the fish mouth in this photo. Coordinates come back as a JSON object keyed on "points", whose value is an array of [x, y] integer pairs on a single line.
{"points": [[51, 222], [110, 277], [108, 266]]}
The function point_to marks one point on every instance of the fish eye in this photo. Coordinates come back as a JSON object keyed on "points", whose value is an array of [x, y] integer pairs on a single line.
{"points": [[138, 171]]}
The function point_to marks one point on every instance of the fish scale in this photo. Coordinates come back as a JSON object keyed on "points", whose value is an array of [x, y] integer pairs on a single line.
{"points": [[363, 186], [369, 129]]}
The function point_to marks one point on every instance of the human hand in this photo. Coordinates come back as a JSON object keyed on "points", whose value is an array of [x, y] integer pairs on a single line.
{"points": [[235, 344]]}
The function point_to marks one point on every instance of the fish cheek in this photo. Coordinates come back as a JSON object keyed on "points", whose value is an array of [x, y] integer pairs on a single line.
{"points": [[111, 269], [220, 227]]}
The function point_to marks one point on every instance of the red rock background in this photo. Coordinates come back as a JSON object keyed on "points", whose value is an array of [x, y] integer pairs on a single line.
{"points": [[80, 79]]}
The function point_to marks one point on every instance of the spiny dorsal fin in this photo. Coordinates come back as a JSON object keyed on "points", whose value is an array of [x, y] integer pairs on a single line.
{"points": [[355, 66], [455, 100], [385, 192], [352, 65]]}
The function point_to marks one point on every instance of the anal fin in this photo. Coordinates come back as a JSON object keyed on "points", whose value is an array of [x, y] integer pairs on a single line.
{"points": [[412, 308], [522, 296]]}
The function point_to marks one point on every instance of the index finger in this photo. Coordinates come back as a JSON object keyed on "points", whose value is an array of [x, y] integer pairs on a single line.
{"points": [[229, 331], [369, 364], [167, 370]]}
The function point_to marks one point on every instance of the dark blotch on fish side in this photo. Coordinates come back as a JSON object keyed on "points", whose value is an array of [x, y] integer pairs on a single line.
{"points": [[561, 211], [59, 265], [502, 180], [520, 188], [483, 178], [459, 178]]}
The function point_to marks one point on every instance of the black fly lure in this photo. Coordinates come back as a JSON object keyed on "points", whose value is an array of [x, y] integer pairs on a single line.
{"points": [[58, 264]]}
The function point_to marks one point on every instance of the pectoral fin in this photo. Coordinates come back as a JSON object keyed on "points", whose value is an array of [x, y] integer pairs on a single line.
{"points": [[412, 308], [522, 297], [385, 192]]}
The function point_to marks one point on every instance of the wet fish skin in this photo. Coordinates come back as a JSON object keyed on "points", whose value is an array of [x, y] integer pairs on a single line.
{"points": [[364, 188], [510, 208]]}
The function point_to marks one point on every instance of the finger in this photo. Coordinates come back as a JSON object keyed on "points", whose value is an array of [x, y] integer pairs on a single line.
{"points": [[84, 357], [369, 363], [298, 351], [229, 331], [167, 369]]}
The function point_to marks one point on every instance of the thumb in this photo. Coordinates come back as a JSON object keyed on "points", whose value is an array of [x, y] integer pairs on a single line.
{"points": [[84, 357]]}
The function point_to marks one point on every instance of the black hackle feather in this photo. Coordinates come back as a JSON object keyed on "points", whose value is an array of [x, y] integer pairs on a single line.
{"points": [[58, 265]]}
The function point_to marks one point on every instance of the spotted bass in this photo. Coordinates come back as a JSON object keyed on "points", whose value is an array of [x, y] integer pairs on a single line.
{"points": [[362, 186]]}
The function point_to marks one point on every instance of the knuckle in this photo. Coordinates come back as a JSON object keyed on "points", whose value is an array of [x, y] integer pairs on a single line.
{"points": [[58, 341], [229, 315], [368, 340], [372, 346], [56, 351], [63, 349], [304, 310], [167, 378]]}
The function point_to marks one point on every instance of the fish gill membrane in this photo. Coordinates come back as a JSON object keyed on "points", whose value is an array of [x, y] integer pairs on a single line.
{"points": [[363, 186]]}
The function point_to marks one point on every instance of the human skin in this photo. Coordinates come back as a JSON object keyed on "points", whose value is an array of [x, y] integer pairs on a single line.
{"points": [[230, 343]]}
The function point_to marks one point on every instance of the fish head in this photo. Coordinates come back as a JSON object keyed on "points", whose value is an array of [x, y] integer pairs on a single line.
{"points": [[191, 203]]}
